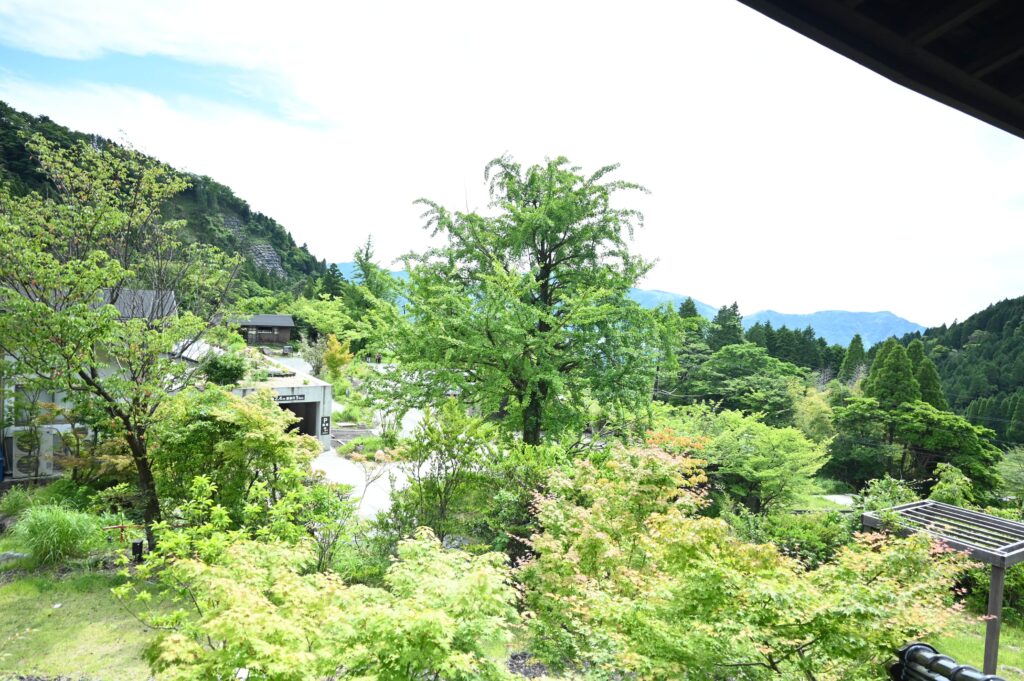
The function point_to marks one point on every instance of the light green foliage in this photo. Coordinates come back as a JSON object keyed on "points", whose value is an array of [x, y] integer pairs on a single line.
{"points": [[764, 468], [330, 519], [225, 368], [627, 579], [811, 538], [469, 484], [320, 317], [524, 313], [442, 614], [94, 239], [336, 356], [14, 502], [952, 486], [53, 533], [884, 493], [812, 413], [240, 444], [1011, 471], [444, 453]]}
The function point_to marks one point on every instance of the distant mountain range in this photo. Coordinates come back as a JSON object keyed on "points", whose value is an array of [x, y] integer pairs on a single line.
{"points": [[835, 326]]}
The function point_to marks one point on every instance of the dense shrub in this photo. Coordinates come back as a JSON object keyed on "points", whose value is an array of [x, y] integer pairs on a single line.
{"points": [[225, 369], [54, 533], [811, 538], [14, 502], [64, 492]]}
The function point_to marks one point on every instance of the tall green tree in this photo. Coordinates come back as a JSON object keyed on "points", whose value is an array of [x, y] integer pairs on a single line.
{"points": [[892, 380], [100, 298], [853, 361], [915, 351], [688, 308], [931, 388], [525, 312], [726, 328]]}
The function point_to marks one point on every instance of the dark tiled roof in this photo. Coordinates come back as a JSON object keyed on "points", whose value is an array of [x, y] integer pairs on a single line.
{"points": [[142, 303], [280, 320]]}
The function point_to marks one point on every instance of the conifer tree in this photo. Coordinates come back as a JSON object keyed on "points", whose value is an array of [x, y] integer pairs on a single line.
{"points": [[928, 381], [892, 377], [853, 360], [878, 362], [1015, 430], [916, 353], [688, 309], [726, 327]]}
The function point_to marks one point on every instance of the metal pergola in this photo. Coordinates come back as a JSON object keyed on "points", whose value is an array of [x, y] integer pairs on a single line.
{"points": [[988, 539]]}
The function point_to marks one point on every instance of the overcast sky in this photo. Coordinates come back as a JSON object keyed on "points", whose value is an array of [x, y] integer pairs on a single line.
{"points": [[782, 175]]}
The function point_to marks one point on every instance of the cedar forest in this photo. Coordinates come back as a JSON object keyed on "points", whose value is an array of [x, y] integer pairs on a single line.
{"points": [[605, 490]]}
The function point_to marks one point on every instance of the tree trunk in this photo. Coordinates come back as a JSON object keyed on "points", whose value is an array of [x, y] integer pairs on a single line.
{"points": [[533, 416], [147, 486]]}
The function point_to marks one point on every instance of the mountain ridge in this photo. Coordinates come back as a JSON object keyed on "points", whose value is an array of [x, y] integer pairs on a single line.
{"points": [[835, 326]]}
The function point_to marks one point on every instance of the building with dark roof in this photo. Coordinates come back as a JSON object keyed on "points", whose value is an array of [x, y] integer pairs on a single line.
{"points": [[266, 328]]}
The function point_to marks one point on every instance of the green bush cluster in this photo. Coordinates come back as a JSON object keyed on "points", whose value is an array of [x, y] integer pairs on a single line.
{"points": [[14, 502], [53, 533]]}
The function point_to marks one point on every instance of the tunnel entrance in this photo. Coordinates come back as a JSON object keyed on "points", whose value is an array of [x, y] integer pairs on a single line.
{"points": [[305, 411]]}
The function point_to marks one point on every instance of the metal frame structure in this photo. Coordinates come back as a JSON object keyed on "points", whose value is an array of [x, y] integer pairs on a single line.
{"points": [[988, 539]]}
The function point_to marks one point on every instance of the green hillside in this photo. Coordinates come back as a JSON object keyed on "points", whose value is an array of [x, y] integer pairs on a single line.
{"points": [[981, 364], [211, 211]]}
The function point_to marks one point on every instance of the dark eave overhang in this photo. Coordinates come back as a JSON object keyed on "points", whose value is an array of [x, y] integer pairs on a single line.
{"points": [[915, 44]]}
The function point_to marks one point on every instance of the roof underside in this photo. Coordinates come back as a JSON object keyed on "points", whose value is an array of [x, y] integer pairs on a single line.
{"points": [[968, 54], [989, 539]]}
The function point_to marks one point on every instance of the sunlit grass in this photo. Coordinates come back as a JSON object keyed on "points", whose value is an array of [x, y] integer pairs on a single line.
{"points": [[968, 647], [90, 635]]}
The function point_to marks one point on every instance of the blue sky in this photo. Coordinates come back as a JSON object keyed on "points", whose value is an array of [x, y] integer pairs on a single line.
{"points": [[782, 175], [171, 79]]}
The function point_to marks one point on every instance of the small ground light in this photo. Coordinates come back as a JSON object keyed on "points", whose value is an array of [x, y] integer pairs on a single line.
{"points": [[137, 551]]}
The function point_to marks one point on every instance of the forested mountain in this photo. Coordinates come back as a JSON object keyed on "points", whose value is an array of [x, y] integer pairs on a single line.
{"points": [[981, 363], [212, 213], [840, 326], [653, 298]]}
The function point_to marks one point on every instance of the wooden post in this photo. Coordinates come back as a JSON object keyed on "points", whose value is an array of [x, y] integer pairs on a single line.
{"points": [[995, 614]]}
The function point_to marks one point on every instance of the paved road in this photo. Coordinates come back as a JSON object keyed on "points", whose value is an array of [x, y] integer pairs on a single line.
{"points": [[371, 485]]}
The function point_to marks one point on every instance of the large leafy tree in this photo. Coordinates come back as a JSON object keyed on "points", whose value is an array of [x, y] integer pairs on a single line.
{"points": [[744, 376], [524, 312], [101, 301]]}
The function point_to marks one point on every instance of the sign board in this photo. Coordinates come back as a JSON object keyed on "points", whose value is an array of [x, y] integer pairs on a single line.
{"points": [[325, 425], [289, 398]]}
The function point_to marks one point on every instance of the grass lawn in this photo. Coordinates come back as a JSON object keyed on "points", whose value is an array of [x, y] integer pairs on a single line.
{"points": [[89, 636], [969, 648], [814, 502]]}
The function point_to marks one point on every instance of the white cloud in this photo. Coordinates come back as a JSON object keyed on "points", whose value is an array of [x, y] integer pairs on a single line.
{"points": [[783, 175]]}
